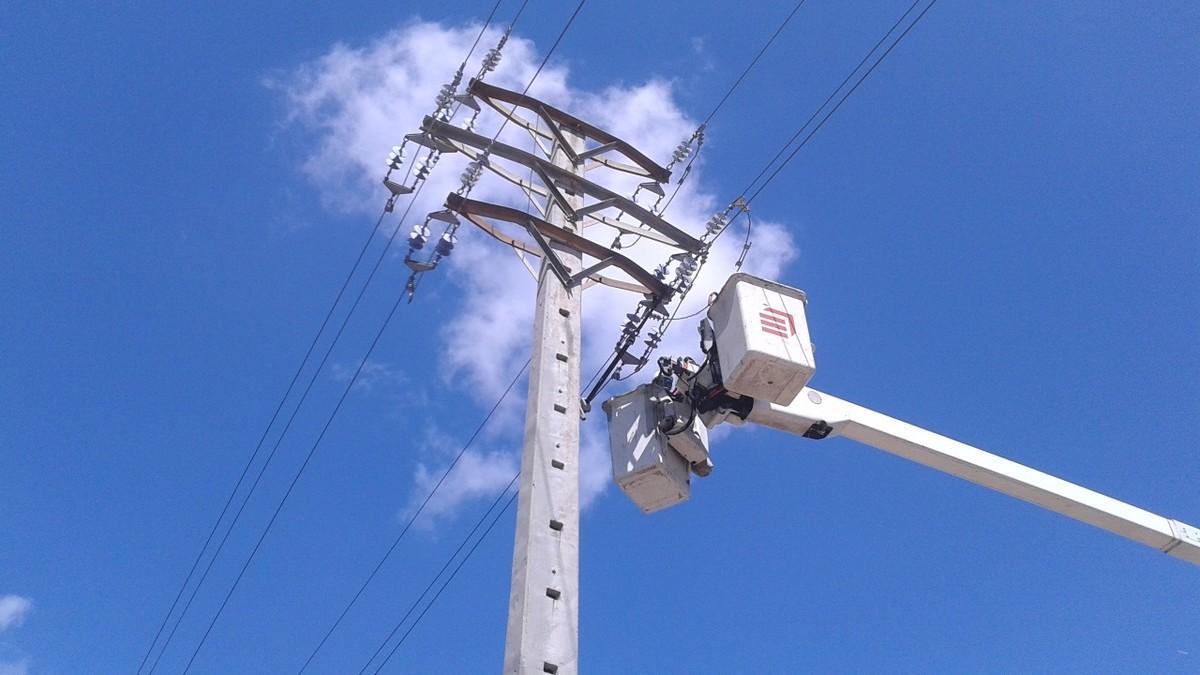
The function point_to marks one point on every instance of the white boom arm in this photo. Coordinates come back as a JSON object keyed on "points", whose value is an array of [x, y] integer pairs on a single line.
{"points": [[842, 418]]}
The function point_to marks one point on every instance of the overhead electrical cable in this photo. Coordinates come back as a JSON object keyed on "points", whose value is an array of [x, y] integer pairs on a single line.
{"points": [[466, 188], [292, 485], [833, 93], [697, 137], [689, 266], [412, 607], [687, 169], [743, 207], [753, 62], [342, 399], [378, 262], [287, 427], [262, 438], [420, 508]]}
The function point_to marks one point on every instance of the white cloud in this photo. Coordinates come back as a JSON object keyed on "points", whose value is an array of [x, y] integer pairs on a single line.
{"points": [[477, 475], [15, 667], [372, 375], [359, 101], [13, 610]]}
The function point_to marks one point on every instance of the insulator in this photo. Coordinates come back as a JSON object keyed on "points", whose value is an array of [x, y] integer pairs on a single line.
{"points": [[418, 237], [491, 60], [422, 173], [632, 316], [445, 96], [445, 245], [395, 157], [470, 175], [431, 160], [681, 151]]}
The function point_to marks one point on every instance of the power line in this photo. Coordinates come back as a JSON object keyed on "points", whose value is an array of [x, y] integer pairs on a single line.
{"points": [[742, 203], [350, 384], [295, 479], [325, 428], [414, 516], [258, 447], [445, 566], [738, 206], [697, 136], [754, 61], [852, 89], [687, 169], [743, 206], [303, 397], [287, 427]]}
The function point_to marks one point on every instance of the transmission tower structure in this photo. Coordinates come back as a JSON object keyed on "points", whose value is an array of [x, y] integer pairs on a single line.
{"points": [[543, 614]]}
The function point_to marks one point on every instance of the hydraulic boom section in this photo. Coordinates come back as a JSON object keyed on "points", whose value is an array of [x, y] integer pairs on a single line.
{"points": [[758, 360]]}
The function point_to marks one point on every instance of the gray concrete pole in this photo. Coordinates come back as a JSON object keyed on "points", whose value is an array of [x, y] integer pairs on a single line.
{"points": [[543, 605]]}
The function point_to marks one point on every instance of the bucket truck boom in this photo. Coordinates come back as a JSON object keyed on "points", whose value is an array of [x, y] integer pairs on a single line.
{"points": [[758, 363]]}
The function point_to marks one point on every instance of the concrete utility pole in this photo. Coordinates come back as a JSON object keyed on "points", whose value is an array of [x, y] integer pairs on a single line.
{"points": [[543, 604], [543, 612]]}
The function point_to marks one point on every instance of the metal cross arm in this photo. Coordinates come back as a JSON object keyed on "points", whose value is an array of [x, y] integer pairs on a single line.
{"points": [[464, 140], [554, 118], [815, 414], [479, 212]]}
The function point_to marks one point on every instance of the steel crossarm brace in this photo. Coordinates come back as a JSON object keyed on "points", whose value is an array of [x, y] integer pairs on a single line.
{"points": [[592, 154], [626, 227], [562, 177], [594, 207], [556, 265], [813, 413], [553, 116], [598, 150], [556, 194], [477, 212]]}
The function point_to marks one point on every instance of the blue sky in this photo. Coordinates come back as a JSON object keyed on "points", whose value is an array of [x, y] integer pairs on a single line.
{"points": [[998, 234]]}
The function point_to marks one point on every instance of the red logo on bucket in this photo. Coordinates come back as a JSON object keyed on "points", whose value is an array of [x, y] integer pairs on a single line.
{"points": [[777, 322]]}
